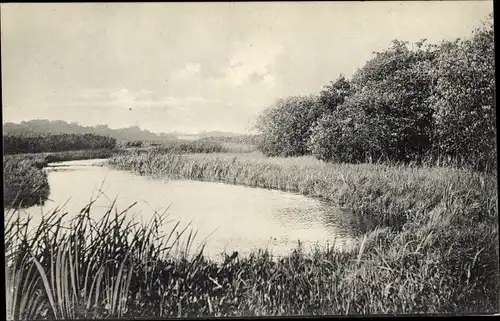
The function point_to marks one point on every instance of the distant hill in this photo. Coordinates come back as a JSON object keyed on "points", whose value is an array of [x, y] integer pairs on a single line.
{"points": [[44, 126]]}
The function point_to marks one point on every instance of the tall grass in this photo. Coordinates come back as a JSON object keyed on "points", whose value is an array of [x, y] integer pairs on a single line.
{"points": [[24, 184], [382, 194], [115, 267], [84, 268], [439, 254], [205, 145]]}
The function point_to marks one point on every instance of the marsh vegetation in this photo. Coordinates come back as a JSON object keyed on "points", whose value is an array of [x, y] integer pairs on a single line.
{"points": [[408, 145]]}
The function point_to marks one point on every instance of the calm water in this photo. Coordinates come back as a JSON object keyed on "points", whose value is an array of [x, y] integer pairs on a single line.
{"points": [[227, 217]]}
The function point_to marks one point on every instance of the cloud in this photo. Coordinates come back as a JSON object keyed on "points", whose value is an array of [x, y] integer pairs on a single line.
{"points": [[188, 72], [124, 98], [249, 63], [264, 78]]}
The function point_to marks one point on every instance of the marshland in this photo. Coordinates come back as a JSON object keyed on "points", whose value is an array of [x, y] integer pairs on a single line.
{"points": [[378, 195]]}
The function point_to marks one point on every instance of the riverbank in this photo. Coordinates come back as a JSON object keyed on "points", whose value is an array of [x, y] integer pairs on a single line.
{"points": [[441, 221], [124, 270], [384, 194], [25, 184], [441, 258]]}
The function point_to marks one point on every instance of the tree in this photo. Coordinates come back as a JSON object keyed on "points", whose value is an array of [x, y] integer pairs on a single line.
{"points": [[334, 94], [463, 100], [387, 109], [286, 127]]}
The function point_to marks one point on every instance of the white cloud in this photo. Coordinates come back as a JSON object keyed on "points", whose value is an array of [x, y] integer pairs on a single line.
{"points": [[250, 58], [269, 79], [188, 72], [124, 98]]}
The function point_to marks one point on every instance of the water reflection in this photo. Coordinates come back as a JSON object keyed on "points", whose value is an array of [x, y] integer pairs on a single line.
{"points": [[230, 217]]}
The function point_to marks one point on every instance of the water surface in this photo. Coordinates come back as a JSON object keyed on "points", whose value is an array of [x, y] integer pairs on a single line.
{"points": [[227, 217]]}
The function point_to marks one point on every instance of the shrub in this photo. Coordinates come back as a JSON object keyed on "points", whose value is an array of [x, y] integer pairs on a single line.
{"points": [[37, 143], [286, 127], [464, 101]]}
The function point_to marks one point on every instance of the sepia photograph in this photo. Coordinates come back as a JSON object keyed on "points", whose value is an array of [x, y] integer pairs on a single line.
{"points": [[249, 159]]}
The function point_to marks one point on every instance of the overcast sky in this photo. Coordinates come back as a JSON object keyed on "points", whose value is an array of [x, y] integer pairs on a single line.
{"points": [[198, 66]]}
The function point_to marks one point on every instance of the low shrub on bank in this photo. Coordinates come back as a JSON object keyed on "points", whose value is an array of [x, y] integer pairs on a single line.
{"points": [[24, 183]]}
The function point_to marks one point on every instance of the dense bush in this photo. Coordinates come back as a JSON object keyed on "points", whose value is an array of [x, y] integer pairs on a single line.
{"points": [[408, 103], [34, 143], [387, 115], [463, 100], [334, 94], [342, 136], [286, 126]]}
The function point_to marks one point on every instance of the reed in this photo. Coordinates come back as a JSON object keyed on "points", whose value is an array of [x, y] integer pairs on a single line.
{"points": [[379, 194], [205, 145], [432, 247], [116, 268], [24, 183]]}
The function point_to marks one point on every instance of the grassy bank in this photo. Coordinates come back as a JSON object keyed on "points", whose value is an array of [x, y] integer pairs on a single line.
{"points": [[438, 251], [46, 158], [25, 184], [383, 194], [121, 269], [212, 145]]}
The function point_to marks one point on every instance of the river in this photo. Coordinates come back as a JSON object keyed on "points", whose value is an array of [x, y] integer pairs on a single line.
{"points": [[226, 217]]}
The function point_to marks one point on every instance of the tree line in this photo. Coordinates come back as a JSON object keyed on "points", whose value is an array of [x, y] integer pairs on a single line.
{"points": [[40, 143], [409, 103]]}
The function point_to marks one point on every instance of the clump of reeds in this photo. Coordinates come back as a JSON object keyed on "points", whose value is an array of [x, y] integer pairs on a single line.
{"points": [[191, 146], [115, 267], [202, 146], [82, 267], [24, 183]]}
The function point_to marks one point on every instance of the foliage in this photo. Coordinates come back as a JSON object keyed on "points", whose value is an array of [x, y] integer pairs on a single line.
{"points": [[286, 127], [464, 101], [409, 103], [387, 115], [24, 183], [334, 94], [35, 143]]}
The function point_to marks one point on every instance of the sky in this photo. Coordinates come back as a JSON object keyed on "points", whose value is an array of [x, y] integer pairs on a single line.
{"points": [[194, 67]]}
